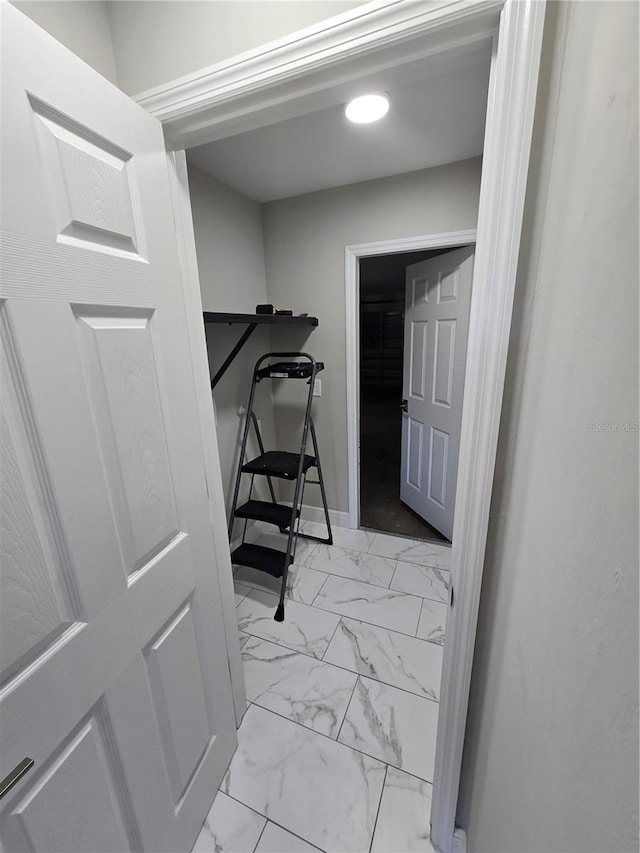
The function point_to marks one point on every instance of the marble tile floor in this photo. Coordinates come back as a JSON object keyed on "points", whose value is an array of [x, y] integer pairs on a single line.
{"points": [[336, 749]]}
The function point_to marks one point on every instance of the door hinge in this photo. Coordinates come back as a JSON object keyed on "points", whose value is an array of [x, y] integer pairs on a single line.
{"points": [[451, 595]]}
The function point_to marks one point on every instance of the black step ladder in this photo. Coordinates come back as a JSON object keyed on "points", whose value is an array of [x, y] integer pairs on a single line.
{"points": [[282, 465]]}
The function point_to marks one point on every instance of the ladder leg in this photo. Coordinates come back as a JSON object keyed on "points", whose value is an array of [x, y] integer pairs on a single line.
{"points": [[316, 453], [243, 450], [279, 615], [261, 447]]}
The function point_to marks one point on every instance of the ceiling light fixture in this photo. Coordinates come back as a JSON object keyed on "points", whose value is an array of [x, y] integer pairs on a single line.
{"points": [[367, 108]]}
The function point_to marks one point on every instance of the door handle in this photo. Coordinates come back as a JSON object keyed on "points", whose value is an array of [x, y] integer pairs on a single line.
{"points": [[404, 405], [16, 774]]}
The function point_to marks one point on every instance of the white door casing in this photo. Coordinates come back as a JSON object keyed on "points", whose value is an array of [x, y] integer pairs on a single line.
{"points": [[436, 325], [113, 657]]}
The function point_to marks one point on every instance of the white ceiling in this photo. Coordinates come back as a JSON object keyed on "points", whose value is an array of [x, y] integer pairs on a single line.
{"points": [[437, 116]]}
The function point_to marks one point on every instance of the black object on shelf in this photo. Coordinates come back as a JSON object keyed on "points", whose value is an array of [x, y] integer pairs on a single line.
{"points": [[251, 321], [289, 370]]}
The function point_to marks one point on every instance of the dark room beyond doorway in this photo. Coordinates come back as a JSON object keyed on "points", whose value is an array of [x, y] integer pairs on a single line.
{"points": [[382, 303]]}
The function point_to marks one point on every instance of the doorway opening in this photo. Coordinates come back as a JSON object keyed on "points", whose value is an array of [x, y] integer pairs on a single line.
{"points": [[407, 314], [381, 317]]}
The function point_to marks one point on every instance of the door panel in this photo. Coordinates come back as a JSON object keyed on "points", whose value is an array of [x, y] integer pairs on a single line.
{"points": [[438, 299], [438, 458], [122, 384], [418, 359], [114, 675], [174, 673], [414, 454], [443, 362], [34, 607], [80, 780], [88, 181]]}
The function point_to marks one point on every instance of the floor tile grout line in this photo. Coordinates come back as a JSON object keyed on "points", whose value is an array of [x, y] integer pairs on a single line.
{"points": [[346, 578], [325, 571], [346, 669], [263, 829], [388, 763], [341, 616], [375, 822], [320, 590], [419, 619], [236, 800], [336, 740], [283, 645], [374, 624], [321, 734], [349, 578], [355, 687], [393, 576], [268, 820], [330, 641], [395, 687]]}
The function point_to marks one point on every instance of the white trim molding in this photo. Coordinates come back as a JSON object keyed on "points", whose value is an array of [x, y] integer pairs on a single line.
{"points": [[295, 74], [190, 283], [513, 85], [316, 513], [304, 72], [352, 255]]}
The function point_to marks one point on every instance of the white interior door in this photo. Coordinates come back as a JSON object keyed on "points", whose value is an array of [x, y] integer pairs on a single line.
{"points": [[113, 657], [436, 325]]}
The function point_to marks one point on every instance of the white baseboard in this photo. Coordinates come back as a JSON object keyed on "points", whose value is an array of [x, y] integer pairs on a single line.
{"points": [[316, 513]]}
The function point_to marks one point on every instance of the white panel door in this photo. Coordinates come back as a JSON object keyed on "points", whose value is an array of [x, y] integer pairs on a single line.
{"points": [[113, 663], [436, 325]]}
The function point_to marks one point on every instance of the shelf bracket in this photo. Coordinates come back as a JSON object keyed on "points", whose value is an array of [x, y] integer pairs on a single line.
{"points": [[244, 337]]}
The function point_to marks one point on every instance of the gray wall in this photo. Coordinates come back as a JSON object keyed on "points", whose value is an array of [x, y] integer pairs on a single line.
{"points": [[551, 758], [139, 44], [305, 238], [228, 234], [80, 25], [155, 42]]}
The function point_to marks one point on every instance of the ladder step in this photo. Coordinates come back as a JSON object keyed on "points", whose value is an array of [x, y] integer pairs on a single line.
{"points": [[278, 514], [260, 557], [278, 463]]}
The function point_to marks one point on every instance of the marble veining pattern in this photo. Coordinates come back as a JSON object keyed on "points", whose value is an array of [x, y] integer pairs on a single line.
{"points": [[424, 581], [387, 656], [352, 564], [319, 789], [305, 629], [341, 699], [230, 827], [392, 725], [386, 608], [302, 584], [433, 619], [403, 819], [298, 687], [411, 550]]}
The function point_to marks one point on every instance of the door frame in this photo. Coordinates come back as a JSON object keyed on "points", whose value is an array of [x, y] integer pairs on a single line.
{"points": [[190, 281], [309, 70], [352, 256]]}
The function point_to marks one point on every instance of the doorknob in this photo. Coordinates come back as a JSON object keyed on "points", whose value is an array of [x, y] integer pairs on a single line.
{"points": [[404, 405]]}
